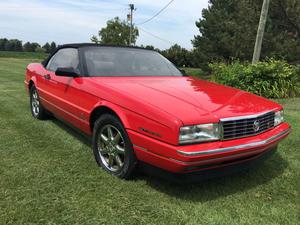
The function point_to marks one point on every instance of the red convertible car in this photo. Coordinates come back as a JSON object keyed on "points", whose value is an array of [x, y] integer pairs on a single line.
{"points": [[138, 107]]}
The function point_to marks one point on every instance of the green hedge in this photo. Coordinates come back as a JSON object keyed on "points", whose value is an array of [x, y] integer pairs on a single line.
{"points": [[271, 78]]}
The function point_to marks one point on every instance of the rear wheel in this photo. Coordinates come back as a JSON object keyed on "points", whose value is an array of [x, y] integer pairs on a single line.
{"points": [[37, 110], [112, 148]]}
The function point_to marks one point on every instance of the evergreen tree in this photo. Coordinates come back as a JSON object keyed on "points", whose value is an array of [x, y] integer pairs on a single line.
{"points": [[30, 47], [228, 30], [47, 47], [52, 47]]}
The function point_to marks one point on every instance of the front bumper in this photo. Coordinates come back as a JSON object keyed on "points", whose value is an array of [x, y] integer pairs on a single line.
{"points": [[204, 156], [201, 175]]}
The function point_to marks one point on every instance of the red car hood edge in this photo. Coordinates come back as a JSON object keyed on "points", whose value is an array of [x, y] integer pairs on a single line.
{"points": [[189, 99]]}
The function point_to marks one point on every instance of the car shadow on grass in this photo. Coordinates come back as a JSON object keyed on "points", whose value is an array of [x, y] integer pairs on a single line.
{"points": [[86, 140], [210, 189], [205, 190]]}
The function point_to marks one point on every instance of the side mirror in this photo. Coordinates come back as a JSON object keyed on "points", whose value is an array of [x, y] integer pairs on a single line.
{"points": [[183, 72], [66, 72]]}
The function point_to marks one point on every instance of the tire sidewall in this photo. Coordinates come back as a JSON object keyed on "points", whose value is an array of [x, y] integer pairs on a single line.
{"points": [[129, 159], [38, 116]]}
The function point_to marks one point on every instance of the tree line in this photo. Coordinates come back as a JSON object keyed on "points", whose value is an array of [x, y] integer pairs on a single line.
{"points": [[180, 56], [18, 46], [227, 31]]}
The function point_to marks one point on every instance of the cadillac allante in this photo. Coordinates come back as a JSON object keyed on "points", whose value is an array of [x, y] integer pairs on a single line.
{"points": [[139, 108]]}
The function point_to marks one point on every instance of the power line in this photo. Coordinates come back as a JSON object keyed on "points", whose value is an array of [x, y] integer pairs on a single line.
{"points": [[153, 35], [166, 6]]}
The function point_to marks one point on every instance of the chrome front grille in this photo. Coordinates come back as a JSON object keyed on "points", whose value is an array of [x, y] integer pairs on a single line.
{"points": [[247, 126]]}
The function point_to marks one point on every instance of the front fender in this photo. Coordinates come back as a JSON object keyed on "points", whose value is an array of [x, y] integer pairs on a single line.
{"points": [[134, 121], [115, 108]]}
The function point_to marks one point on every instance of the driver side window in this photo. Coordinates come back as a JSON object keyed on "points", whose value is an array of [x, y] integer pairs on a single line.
{"points": [[66, 57]]}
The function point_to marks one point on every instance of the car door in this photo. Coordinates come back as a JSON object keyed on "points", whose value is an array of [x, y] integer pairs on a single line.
{"points": [[64, 94]]}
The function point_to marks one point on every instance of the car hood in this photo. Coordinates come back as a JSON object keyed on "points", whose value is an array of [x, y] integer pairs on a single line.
{"points": [[189, 99]]}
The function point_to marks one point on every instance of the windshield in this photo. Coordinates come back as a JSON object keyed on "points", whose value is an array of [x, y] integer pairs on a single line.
{"points": [[119, 61]]}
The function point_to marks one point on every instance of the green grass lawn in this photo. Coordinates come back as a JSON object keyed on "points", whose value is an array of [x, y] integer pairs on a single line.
{"points": [[48, 175], [23, 55]]}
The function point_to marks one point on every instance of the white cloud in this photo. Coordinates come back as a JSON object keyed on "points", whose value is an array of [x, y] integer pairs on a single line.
{"points": [[68, 21]]}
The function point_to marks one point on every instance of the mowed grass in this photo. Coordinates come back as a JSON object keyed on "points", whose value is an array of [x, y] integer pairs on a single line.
{"points": [[23, 55], [48, 176]]}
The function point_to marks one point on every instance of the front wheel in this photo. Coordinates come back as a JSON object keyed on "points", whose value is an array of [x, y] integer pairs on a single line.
{"points": [[112, 148], [37, 110]]}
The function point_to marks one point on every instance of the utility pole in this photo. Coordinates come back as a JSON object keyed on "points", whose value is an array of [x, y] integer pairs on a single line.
{"points": [[130, 17], [260, 31]]}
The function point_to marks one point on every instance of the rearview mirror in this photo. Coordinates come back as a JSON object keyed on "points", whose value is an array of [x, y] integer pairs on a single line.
{"points": [[66, 72]]}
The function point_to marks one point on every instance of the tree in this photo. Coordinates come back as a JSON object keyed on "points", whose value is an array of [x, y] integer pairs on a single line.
{"points": [[47, 47], [52, 47], [30, 47], [3, 42], [27, 47], [18, 45], [178, 55], [15, 45], [228, 29], [35, 46], [95, 39], [40, 50], [150, 47], [116, 32], [10, 45]]}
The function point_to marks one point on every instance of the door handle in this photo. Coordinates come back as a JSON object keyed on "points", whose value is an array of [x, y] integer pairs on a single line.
{"points": [[47, 77]]}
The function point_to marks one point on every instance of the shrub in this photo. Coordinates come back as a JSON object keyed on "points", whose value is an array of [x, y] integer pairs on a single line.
{"points": [[271, 78], [196, 72], [40, 50]]}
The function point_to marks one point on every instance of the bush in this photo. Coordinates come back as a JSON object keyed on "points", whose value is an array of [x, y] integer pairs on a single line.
{"points": [[271, 79], [40, 50], [196, 72]]}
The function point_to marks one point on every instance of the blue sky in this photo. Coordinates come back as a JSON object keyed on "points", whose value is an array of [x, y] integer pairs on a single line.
{"points": [[68, 21]]}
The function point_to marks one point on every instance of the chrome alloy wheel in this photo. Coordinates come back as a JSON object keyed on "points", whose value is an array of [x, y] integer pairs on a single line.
{"points": [[35, 103], [111, 148]]}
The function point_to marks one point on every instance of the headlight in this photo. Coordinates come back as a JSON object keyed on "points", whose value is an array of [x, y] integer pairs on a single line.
{"points": [[278, 117], [199, 133]]}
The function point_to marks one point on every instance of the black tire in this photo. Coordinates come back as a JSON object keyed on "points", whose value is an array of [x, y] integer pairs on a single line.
{"points": [[37, 110], [109, 149]]}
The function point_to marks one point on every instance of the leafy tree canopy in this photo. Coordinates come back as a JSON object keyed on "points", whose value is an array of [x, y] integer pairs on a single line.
{"points": [[30, 47], [178, 55], [116, 32]]}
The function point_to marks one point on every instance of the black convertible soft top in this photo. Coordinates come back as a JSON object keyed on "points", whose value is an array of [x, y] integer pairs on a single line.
{"points": [[80, 45]]}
